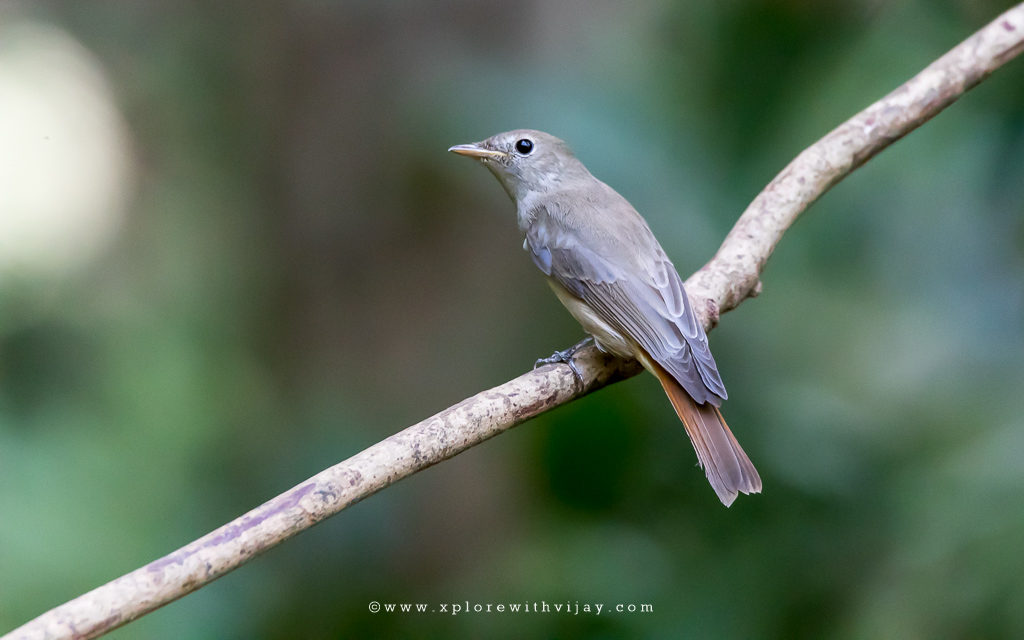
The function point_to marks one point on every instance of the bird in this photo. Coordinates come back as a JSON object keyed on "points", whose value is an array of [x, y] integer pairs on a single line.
{"points": [[604, 264]]}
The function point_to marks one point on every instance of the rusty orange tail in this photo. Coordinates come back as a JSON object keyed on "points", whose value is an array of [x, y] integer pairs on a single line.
{"points": [[728, 468]]}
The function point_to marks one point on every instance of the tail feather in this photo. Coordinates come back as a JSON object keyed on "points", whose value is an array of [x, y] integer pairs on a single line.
{"points": [[727, 466]]}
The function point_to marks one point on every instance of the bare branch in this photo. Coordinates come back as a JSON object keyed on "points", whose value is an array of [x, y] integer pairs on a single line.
{"points": [[722, 284], [732, 275]]}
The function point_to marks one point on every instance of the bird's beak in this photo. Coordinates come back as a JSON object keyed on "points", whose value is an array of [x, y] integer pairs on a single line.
{"points": [[476, 151]]}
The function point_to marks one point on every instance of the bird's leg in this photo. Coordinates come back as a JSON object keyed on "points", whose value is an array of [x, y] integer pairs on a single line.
{"points": [[566, 355]]}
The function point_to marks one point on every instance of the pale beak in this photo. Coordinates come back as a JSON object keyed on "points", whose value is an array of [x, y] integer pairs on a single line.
{"points": [[476, 151]]}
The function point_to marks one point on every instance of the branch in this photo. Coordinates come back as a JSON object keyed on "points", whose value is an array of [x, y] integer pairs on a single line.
{"points": [[719, 286]]}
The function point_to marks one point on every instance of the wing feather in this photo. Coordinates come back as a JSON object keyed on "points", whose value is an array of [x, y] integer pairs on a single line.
{"points": [[635, 289]]}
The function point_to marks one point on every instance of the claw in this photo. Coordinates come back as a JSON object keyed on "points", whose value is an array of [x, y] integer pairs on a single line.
{"points": [[566, 357]]}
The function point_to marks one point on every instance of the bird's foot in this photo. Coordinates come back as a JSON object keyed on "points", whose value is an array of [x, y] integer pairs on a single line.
{"points": [[566, 357]]}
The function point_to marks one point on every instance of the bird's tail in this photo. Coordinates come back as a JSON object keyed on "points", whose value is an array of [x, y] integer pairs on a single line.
{"points": [[728, 468]]}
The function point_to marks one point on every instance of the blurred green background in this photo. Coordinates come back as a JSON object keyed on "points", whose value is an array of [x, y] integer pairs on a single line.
{"points": [[234, 251]]}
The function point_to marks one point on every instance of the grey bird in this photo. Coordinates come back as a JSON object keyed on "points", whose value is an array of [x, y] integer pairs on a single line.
{"points": [[607, 268]]}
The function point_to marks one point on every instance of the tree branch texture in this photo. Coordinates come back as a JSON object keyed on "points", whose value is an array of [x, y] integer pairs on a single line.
{"points": [[719, 286]]}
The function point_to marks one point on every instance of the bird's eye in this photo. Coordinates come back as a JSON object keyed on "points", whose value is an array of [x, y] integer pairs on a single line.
{"points": [[524, 146]]}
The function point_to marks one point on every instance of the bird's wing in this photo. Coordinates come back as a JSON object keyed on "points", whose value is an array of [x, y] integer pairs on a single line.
{"points": [[641, 296]]}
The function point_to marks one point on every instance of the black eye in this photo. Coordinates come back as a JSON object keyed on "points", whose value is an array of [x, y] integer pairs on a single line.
{"points": [[524, 146]]}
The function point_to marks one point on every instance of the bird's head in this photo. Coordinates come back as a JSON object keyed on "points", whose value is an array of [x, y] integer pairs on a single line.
{"points": [[525, 161]]}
